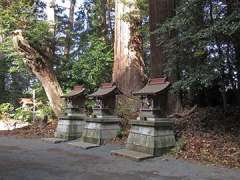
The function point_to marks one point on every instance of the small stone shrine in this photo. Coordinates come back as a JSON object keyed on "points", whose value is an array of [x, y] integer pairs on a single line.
{"points": [[103, 125], [152, 134], [71, 125]]}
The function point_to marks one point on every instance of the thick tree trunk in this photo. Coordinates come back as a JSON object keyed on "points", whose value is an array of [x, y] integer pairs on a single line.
{"points": [[234, 5], [50, 9], [110, 19], [3, 73], [4, 69], [51, 86], [41, 68], [128, 69], [69, 29], [103, 19], [160, 10]]}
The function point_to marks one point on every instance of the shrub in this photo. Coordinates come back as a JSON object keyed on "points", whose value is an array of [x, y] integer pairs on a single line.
{"points": [[23, 114], [44, 110], [6, 108]]}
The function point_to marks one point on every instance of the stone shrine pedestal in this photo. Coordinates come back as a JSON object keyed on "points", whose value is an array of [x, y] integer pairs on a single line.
{"points": [[152, 135], [103, 126], [100, 130], [70, 126]]}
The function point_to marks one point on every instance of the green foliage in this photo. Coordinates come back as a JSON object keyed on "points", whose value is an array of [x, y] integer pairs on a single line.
{"points": [[44, 110], [90, 59], [26, 114], [15, 14], [23, 114], [89, 105], [6, 108], [39, 93], [199, 45], [137, 13], [39, 34], [95, 65], [120, 134], [15, 77]]}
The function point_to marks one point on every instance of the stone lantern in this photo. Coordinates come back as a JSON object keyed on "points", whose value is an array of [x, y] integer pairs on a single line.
{"points": [[152, 134], [103, 125], [71, 125]]}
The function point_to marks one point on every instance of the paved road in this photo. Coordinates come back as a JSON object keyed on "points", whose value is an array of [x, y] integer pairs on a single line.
{"points": [[32, 159]]}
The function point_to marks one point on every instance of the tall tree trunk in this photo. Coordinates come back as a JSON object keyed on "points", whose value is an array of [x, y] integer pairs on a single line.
{"points": [[69, 29], [234, 5], [51, 86], [109, 20], [50, 9], [103, 20], [128, 69], [3, 71], [40, 66], [160, 10]]}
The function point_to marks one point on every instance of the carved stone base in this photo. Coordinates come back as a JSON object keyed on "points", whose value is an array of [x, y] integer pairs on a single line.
{"points": [[70, 127], [148, 139], [100, 130], [151, 137]]}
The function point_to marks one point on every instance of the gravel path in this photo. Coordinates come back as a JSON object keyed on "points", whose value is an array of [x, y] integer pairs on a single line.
{"points": [[32, 159]]}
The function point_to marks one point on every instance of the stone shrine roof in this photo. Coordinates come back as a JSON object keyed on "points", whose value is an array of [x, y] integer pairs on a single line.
{"points": [[77, 90], [154, 86], [105, 89]]}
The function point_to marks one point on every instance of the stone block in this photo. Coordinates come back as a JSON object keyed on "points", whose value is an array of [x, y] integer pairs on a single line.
{"points": [[70, 127], [151, 137], [134, 155], [100, 130], [81, 144], [54, 140]]}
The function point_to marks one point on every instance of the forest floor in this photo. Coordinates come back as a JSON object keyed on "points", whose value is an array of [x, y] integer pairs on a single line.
{"points": [[34, 130], [207, 135]]}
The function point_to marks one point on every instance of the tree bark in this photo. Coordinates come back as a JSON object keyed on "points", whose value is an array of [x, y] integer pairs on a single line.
{"points": [[103, 20], [128, 69], [3, 73], [69, 29], [50, 9], [51, 86], [109, 20], [160, 10], [41, 68], [234, 5], [3, 68]]}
